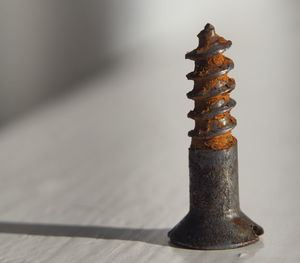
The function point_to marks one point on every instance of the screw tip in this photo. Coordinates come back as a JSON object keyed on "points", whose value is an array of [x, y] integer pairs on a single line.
{"points": [[207, 34], [209, 27]]}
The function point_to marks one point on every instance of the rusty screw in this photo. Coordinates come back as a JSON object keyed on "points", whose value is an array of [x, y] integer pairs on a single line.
{"points": [[215, 220]]}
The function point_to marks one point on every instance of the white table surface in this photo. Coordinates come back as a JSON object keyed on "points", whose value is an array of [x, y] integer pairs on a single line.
{"points": [[101, 175]]}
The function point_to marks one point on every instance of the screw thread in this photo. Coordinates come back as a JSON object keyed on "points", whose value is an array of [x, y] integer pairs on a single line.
{"points": [[211, 93]]}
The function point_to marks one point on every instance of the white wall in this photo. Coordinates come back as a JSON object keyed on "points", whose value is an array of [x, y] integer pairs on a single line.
{"points": [[46, 45]]}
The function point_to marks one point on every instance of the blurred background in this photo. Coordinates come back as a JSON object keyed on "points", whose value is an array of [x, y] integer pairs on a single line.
{"points": [[92, 93], [49, 46]]}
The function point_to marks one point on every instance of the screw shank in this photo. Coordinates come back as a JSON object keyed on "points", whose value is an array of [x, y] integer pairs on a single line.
{"points": [[214, 181]]}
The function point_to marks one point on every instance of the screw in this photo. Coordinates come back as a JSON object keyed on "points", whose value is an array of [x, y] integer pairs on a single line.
{"points": [[215, 220]]}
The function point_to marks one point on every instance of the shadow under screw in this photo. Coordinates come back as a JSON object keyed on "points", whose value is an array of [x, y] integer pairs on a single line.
{"points": [[151, 236]]}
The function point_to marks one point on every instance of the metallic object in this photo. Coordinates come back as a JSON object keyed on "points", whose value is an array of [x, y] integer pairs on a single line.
{"points": [[215, 220]]}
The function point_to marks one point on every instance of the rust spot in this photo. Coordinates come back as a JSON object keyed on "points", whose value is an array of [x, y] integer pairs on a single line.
{"points": [[206, 40], [239, 222], [220, 142]]}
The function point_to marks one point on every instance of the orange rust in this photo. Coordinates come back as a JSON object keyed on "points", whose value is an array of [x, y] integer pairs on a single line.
{"points": [[218, 59], [204, 103], [221, 39], [218, 121], [219, 142], [204, 67], [221, 116], [205, 42], [207, 84]]}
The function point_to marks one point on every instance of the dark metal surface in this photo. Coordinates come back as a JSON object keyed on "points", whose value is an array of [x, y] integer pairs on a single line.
{"points": [[215, 220]]}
